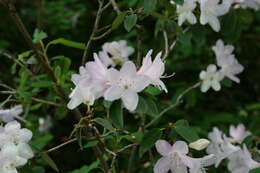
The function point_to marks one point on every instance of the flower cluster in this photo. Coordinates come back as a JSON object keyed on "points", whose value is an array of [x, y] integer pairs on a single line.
{"points": [[174, 158], [229, 67], [98, 79], [224, 147], [211, 10], [7, 115], [14, 148]]}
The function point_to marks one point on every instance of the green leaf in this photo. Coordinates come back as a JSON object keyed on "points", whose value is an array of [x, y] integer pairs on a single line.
{"points": [[67, 43], [25, 54], [149, 140], [39, 36], [130, 22], [150, 4], [116, 114], [118, 20], [40, 142], [87, 169], [186, 132], [43, 84], [90, 144], [179, 2], [57, 72], [142, 107], [256, 170], [105, 123], [152, 108], [49, 161], [157, 15], [153, 91]]}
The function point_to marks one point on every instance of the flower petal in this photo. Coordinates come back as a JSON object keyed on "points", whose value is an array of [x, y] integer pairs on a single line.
{"points": [[163, 147], [113, 93], [130, 100], [162, 165], [181, 147]]}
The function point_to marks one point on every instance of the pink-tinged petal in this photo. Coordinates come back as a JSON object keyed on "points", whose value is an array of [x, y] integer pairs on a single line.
{"points": [[113, 76], [106, 60], [162, 165], [179, 169], [140, 83], [113, 93], [75, 98], [130, 100], [189, 162], [163, 147], [146, 64], [211, 68], [128, 70], [214, 23], [181, 147]]}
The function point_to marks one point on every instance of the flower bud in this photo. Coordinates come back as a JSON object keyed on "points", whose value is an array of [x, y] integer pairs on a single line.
{"points": [[199, 144]]}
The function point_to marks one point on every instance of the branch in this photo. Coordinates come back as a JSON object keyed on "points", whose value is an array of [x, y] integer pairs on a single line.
{"points": [[177, 103], [114, 4], [95, 28]]}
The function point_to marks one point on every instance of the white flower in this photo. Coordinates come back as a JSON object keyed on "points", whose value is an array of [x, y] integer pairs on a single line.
{"points": [[199, 144], [254, 4], [210, 11], [116, 52], [175, 158], [7, 115], [211, 78], [153, 69], [45, 124], [125, 84], [13, 134], [238, 134], [90, 83], [242, 162], [220, 146], [184, 12], [10, 159], [227, 61]]}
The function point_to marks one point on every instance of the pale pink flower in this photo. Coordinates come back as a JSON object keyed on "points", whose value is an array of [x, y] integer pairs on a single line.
{"points": [[153, 69], [185, 12], [7, 115], [242, 162], [238, 134], [125, 84], [115, 53], [174, 158], [220, 146]]}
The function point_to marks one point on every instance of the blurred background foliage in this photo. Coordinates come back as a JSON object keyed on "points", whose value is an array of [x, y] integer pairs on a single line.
{"points": [[73, 20]]}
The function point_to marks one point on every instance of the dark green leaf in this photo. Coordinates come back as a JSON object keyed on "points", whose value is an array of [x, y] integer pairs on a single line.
{"points": [[256, 170], [105, 123], [39, 36], [116, 114], [142, 106], [49, 161], [186, 132], [67, 43], [130, 22], [118, 20], [87, 169], [150, 4], [149, 140]]}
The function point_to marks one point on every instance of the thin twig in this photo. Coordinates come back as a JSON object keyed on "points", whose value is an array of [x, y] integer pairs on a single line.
{"points": [[115, 6], [61, 145], [95, 28], [178, 102], [102, 35], [166, 44]]}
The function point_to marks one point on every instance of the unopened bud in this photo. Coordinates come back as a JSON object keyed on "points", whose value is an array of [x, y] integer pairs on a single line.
{"points": [[199, 144]]}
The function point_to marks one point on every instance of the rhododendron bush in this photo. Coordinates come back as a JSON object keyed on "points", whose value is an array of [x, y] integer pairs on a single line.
{"points": [[125, 86]]}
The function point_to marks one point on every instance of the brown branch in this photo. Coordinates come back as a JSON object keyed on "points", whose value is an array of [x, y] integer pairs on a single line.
{"points": [[114, 4]]}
